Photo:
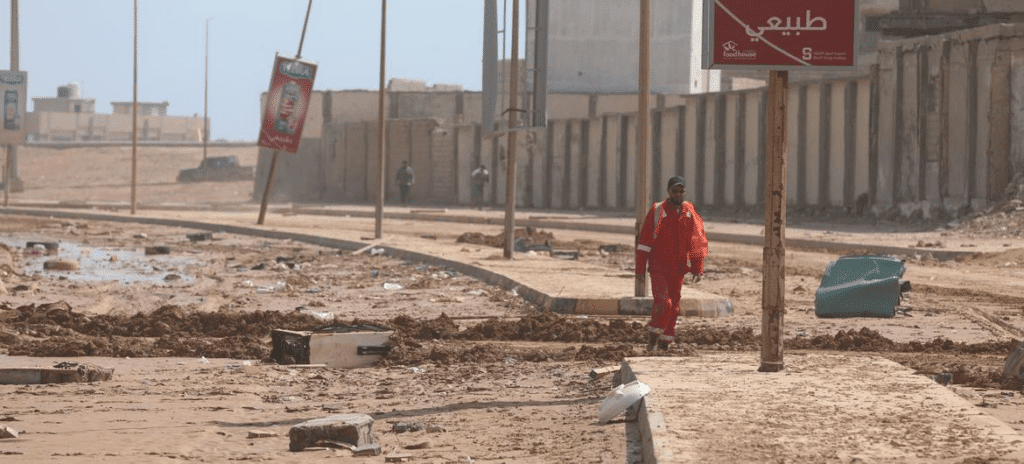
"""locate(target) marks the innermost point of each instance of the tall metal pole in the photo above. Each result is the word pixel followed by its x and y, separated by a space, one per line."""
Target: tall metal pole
pixel 773 283
pixel 206 94
pixel 378 227
pixel 643 132
pixel 273 159
pixel 513 121
pixel 135 102
pixel 11 160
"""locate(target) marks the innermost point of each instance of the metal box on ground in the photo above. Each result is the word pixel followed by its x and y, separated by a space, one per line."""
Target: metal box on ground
pixel 333 346
pixel 861 286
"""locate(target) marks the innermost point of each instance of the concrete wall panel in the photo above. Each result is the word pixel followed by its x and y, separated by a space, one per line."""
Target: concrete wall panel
pixel 752 125
pixel 811 178
pixel 837 174
pixel 595 128
pixel 861 174
pixel 559 162
pixel 887 137
pixel 909 143
pixel 732 135
pixel 983 68
pixel 793 143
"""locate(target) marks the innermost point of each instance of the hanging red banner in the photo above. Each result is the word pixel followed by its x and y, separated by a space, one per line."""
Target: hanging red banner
pixel 291 84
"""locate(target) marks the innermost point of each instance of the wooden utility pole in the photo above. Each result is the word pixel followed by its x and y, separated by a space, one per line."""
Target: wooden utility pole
pixel 513 121
pixel 378 228
pixel 643 132
pixel 773 290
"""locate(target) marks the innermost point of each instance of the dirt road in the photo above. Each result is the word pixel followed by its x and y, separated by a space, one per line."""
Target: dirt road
pixel 187 333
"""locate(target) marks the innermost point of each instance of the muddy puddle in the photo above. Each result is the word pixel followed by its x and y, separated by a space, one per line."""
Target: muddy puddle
pixel 101 264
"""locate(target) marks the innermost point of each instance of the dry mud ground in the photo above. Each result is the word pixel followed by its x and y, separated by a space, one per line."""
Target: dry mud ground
pixel 488 375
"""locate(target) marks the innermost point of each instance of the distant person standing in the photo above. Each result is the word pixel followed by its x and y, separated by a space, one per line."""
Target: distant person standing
pixel 672 244
pixel 480 178
pixel 405 178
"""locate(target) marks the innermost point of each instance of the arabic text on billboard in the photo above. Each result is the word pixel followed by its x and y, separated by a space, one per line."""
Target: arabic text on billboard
pixel 792 34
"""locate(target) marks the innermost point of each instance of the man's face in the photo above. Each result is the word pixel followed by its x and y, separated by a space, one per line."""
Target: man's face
pixel 676 194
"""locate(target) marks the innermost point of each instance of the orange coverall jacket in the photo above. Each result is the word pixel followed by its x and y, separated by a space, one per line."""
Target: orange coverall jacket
pixel 671 241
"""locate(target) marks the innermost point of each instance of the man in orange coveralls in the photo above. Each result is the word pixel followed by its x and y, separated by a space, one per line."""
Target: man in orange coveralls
pixel 672 243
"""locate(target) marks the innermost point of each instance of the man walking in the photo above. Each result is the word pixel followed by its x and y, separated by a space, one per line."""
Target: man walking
pixel 405 179
pixel 672 243
pixel 480 178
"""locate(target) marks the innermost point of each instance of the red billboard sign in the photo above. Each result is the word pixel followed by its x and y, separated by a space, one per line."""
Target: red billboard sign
pixel 791 34
pixel 291 84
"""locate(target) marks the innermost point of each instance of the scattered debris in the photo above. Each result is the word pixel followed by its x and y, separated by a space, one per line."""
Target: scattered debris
pixel 353 430
pixel 603 371
pixel 1014 366
pixel 621 398
pixel 199 236
pixel 51 248
pixel 61 265
pixel 7 432
pixel 261 434
pixel 158 250
pixel 861 286
pixel 64 372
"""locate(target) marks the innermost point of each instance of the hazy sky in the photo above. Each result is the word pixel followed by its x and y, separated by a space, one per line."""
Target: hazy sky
pixel 90 42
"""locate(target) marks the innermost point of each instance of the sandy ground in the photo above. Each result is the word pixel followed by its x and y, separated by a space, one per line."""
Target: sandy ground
pixel 188 333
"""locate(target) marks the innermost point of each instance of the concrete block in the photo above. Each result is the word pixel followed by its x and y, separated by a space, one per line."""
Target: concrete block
pixel 637 306
pixel 72 373
pixel 705 307
pixel 563 305
pixel 602 306
pixel 351 429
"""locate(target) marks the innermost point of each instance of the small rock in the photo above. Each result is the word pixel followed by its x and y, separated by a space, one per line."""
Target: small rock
pixel 261 434
pixel 418 445
pixel 61 265
pixel 435 429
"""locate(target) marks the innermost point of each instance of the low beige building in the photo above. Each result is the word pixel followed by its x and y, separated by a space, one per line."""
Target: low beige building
pixel 70 117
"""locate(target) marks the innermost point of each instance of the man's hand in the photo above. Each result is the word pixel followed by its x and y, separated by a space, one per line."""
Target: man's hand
pixel 697 277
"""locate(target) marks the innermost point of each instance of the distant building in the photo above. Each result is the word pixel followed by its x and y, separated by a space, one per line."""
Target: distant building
pixel 70 117
pixel 145 108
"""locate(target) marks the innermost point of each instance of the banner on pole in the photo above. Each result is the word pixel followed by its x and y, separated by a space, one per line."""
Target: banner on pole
pixel 291 85
pixel 790 35
pixel 14 88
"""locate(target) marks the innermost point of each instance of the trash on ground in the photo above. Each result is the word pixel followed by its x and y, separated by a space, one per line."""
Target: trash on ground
pixel 7 432
pixel 861 286
pixel 1014 367
pixel 353 430
pixel 621 398
pixel 332 346
pixel 391 286
pixel 64 372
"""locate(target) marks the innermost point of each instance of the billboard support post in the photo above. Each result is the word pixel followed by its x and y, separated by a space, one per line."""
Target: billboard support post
pixel 773 283
pixel 779 37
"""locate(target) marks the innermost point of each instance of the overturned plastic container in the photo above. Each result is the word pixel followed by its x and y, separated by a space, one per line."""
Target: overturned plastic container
pixel 861 286
pixel 620 399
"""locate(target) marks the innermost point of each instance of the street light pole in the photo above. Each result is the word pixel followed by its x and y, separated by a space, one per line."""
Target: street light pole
pixel 206 93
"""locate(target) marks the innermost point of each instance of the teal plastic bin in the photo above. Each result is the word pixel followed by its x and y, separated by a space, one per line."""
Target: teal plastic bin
pixel 861 286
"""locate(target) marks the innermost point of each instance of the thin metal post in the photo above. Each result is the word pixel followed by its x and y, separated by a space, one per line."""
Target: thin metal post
pixel 135 104
pixel 643 132
pixel 302 38
pixel 11 160
pixel 266 188
pixel 206 94
pixel 773 290
pixel 378 227
pixel 513 121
